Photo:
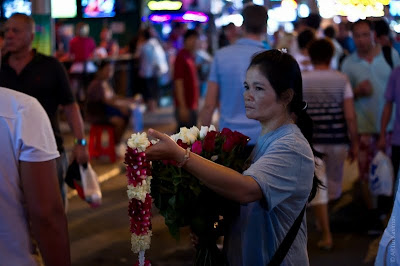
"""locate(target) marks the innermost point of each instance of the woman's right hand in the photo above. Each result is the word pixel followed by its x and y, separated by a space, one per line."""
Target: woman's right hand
pixel 165 149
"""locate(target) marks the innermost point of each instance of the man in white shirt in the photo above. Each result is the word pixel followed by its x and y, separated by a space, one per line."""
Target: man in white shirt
pixel 30 199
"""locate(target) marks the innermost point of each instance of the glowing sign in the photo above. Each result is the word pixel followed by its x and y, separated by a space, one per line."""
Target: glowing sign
pixel 195 16
pixel 353 9
pixel 185 17
pixel 164 5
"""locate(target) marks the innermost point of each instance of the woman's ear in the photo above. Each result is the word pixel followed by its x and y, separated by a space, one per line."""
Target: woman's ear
pixel 287 96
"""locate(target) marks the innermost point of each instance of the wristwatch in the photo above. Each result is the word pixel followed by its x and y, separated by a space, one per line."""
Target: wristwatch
pixel 81 142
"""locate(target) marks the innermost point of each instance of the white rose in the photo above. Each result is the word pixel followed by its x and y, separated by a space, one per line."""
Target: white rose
pixel 195 131
pixel 203 132
pixel 139 141
pixel 187 136
pixel 175 137
pixel 183 130
pixel 212 128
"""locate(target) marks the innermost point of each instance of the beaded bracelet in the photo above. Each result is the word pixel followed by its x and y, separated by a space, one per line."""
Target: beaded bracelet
pixel 185 158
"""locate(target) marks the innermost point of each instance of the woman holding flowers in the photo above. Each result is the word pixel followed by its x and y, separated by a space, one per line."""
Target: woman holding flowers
pixel 275 188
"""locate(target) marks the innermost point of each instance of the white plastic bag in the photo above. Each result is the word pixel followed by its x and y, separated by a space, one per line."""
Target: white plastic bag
pixel 381 175
pixel 90 185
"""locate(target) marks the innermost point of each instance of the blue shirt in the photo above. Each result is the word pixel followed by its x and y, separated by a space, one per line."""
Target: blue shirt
pixel 228 70
pixel 369 109
pixel 283 166
pixel 392 95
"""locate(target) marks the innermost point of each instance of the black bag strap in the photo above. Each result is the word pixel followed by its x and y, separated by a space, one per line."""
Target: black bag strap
pixel 387 53
pixel 287 242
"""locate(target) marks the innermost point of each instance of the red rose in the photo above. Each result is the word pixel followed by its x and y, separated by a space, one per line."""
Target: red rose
pixel 209 141
pixel 197 147
pixel 229 144
pixel 226 132
pixel 183 145
pixel 240 139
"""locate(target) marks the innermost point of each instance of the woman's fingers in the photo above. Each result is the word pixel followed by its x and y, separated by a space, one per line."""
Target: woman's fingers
pixel 156 134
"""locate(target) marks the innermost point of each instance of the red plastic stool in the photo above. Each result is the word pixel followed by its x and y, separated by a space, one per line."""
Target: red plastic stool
pixel 96 148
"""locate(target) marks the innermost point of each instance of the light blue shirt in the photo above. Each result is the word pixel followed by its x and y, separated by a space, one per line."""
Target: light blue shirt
pixel 283 166
pixel 369 109
pixel 228 70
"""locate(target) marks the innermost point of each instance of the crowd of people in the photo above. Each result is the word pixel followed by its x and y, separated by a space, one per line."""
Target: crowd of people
pixel 319 97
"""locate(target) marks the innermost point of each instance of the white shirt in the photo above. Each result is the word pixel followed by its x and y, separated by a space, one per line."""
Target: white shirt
pixel 25 135
pixel 153 60
pixel 304 61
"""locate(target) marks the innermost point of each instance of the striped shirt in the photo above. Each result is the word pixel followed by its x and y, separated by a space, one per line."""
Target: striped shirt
pixel 325 91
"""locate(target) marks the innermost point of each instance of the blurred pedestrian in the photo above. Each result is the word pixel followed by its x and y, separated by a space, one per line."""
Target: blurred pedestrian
pixel 392 97
pixel 81 49
pixel 303 40
pixel 186 82
pixel 331 107
pixel 152 65
pixel 108 43
pixel 24 69
pixel 227 75
pixel 30 204
pixel 330 33
pixel 368 72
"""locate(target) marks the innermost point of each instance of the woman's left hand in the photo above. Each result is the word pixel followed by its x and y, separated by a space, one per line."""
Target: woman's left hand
pixel 165 149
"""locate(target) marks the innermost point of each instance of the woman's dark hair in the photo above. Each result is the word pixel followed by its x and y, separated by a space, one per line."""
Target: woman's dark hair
pixel 283 73
pixel 321 51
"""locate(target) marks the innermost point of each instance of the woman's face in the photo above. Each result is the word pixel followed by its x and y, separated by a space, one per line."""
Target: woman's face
pixel 260 100
pixel 107 72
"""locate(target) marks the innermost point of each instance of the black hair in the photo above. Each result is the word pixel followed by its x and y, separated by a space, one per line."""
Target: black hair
pixel 330 32
pixel 381 28
pixel 103 64
pixel 313 21
pixel 255 19
pixel 305 38
pixel 146 33
pixel 321 51
pixel 190 33
pixel 283 73
pixel 362 21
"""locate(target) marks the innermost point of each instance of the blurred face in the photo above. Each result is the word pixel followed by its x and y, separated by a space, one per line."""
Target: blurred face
pixel 105 35
pixel 107 72
pixel 363 37
pixel 18 35
pixel 191 43
pixel 260 99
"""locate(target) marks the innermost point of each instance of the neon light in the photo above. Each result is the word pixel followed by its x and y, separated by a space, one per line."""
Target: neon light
pixel 195 16
pixel 185 17
pixel 164 5
pixel 160 18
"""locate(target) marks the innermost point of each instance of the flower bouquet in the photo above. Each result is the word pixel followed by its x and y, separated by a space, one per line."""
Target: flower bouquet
pixel 184 201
